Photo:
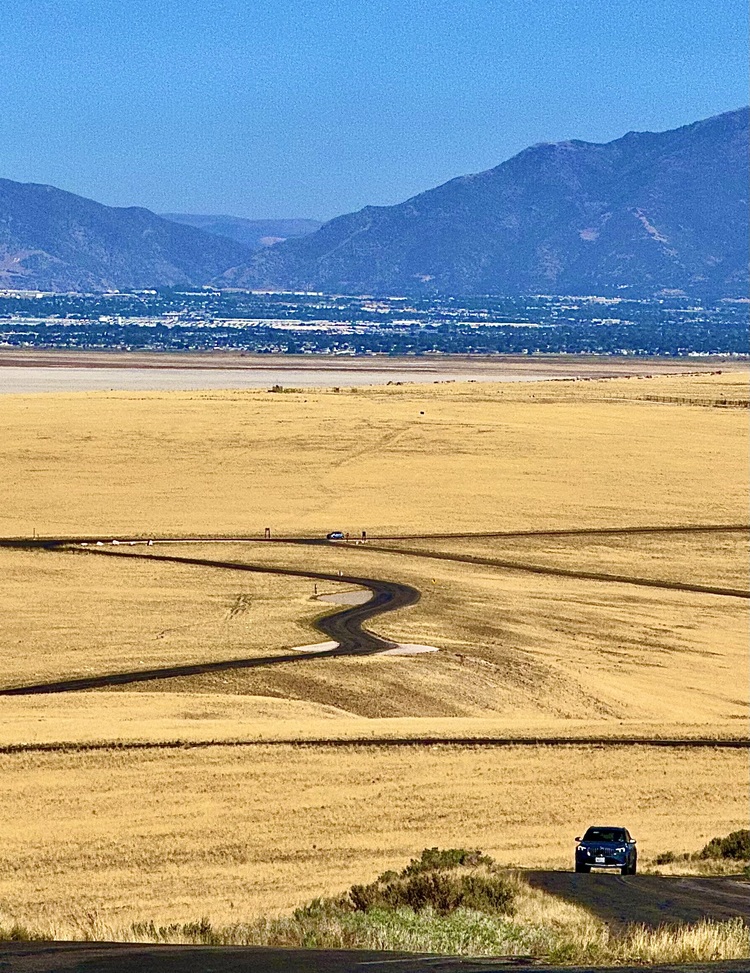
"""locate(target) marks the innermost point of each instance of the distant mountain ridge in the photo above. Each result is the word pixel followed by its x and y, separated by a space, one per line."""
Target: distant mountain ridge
pixel 646 213
pixel 56 241
pixel 253 234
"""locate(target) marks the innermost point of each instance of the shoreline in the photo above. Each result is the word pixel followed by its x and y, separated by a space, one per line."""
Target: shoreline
pixel 115 358
pixel 28 371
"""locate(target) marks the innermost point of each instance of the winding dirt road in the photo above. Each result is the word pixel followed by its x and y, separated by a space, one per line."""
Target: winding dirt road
pixel 648 899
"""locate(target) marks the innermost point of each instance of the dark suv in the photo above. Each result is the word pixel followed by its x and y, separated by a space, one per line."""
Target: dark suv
pixel 604 847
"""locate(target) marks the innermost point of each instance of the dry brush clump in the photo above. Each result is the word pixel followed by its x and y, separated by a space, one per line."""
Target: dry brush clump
pixel 722 856
pixel 701 942
pixel 443 881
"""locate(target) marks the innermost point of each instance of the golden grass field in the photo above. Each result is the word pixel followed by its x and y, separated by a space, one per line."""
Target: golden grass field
pixel 399 459
pixel 514 645
pixel 229 833
pixel 225 831
pixel 71 614
pixel 710 558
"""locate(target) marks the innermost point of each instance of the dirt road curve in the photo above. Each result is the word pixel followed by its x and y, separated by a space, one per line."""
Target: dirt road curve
pixel 116 958
pixel 650 899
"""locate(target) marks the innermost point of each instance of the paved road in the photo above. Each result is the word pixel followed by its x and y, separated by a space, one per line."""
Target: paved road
pixel 650 899
pixel 116 958
pixel 344 627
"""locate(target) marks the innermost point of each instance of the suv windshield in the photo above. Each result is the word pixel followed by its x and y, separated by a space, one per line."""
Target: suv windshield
pixel 605 834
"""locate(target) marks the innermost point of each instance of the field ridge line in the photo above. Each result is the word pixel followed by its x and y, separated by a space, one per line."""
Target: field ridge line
pixel 72 746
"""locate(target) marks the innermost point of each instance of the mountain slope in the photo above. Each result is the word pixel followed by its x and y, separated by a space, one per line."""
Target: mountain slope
pixel 252 234
pixel 55 240
pixel 647 212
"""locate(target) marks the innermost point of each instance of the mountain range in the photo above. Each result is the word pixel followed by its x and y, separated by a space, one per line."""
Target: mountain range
pixel 645 214
pixel 56 241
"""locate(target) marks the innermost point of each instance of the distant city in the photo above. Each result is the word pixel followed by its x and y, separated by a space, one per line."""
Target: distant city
pixel 170 319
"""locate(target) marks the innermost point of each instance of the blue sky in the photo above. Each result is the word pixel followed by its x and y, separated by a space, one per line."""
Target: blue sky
pixel 273 108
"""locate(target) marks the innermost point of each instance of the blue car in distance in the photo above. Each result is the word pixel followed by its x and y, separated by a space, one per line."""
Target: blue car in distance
pixel 605 847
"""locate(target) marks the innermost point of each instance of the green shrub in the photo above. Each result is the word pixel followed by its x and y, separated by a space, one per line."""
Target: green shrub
pixel 735 846
pixel 433 859
pixel 432 882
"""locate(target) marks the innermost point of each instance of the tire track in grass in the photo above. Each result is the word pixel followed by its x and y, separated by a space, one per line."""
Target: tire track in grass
pixel 384 743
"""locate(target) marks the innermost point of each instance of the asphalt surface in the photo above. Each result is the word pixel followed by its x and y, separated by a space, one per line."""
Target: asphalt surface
pixel 344 627
pixel 127 958
pixel 649 899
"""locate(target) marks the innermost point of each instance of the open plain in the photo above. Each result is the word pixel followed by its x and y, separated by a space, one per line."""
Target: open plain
pixel 573 642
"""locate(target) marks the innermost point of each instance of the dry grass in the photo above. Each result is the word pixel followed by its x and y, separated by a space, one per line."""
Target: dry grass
pixel 463 932
pixel 398 459
pixel 541 927
pixel 515 645
pixel 521 647
pixel 85 719
pixel 706 941
pixel 66 615
pixel 691 866
pixel 710 558
pixel 230 834
pixel 233 832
